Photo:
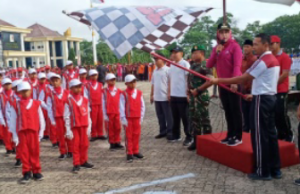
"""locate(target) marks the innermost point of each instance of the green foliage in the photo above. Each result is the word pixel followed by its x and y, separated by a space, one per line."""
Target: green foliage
pixel 72 56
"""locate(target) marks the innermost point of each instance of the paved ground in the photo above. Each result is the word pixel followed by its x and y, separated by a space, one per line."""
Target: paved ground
pixel 163 160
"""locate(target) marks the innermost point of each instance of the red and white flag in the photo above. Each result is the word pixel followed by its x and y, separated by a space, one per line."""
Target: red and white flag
pixel 97 1
pixel 284 2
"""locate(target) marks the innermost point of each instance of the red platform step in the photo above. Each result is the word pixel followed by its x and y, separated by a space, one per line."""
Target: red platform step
pixel 241 157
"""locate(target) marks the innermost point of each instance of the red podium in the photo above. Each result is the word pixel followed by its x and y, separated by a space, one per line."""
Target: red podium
pixel 241 157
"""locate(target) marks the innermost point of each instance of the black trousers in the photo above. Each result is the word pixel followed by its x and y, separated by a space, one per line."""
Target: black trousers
pixel 164 116
pixel 282 120
pixel 246 107
pixel 264 135
pixel 141 76
pixel 179 108
pixel 233 114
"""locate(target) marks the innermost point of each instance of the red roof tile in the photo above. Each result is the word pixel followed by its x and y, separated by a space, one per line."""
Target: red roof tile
pixel 4 23
pixel 41 31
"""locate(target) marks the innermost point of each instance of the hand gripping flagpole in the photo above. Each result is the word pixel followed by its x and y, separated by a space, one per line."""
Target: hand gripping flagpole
pixel 195 73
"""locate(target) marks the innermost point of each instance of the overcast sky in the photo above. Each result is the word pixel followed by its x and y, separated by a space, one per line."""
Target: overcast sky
pixel 49 12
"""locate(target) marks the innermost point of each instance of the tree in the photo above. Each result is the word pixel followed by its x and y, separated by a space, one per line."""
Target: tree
pixel 72 55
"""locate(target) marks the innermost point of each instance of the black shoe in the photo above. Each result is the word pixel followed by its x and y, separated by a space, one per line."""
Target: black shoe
pixel 26 178
pixel 55 145
pixel 234 142
pixel 14 151
pixel 255 176
pixel 112 147
pixel 76 169
pixel 290 138
pixel 119 146
pixel 224 141
pixel 38 177
pixel 174 140
pixel 69 155
pixel 18 164
pixel 276 175
pixel 160 136
pixel 297 182
pixel 62 156
pixel 129 158
pixel 93 139
pixel 87 165
pixel 102 138
pixel 46 137
pixel 1 142
pixel 8 153
pixel 187 141
pixel 138 156
pixel 192 147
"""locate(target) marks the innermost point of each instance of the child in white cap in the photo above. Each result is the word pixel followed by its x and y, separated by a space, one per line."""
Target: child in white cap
pixel 28 129
pixel 132 111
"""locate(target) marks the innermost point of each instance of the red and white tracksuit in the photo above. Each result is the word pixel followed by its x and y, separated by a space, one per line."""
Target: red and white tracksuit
pixel 78 123
pixel 5 100
pixel 93 91
pixel 67 77
pixel 111 112
pixel 132 110
pixel 55 103
pixel 1 127
pixel 39 93
pixel 27 126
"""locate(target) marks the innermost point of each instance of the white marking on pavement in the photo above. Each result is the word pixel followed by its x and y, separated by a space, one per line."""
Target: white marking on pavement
pixel 147 184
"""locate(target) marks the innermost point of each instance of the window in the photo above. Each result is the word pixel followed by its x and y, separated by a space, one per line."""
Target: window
pixel 50 49
pixel 59 63
pixel 27 46
pixel 58 49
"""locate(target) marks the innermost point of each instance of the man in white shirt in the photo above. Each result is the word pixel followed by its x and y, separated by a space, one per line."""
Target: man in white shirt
pixel 178 96
pixel 265 74
pixel 159 95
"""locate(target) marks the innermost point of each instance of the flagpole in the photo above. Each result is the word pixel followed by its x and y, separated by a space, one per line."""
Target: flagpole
pixel 224 13
pixel 94 42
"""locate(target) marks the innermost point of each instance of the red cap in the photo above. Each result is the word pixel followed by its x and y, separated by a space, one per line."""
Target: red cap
pixel 20 69
pixel 47 67
pixel 275 39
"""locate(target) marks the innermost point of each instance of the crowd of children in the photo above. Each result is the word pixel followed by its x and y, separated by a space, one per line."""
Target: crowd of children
pixel 71 111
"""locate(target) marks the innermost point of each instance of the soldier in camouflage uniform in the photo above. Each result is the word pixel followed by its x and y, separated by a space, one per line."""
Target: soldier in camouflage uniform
pixel 199 96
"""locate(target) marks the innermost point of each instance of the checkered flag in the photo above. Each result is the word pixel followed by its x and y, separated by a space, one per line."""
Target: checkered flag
pixel 147 28
pixel 284 2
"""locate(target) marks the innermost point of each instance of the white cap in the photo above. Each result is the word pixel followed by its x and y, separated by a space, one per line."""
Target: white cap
pixel 93 72
pixel 6 81
pixel 24 86
pixel 74 82
pixel 2 71
pixel 16 82
pixel 41 75
pixel 31 71
pixel 82 71
pixel 49 75
pixel 110 76
pixel 69 63
pixel 55 75
pixel 129 78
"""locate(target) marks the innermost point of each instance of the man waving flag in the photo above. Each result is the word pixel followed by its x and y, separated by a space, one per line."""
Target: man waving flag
pixel 284 2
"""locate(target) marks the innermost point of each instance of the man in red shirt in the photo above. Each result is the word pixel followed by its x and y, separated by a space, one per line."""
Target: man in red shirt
pixel 283 124
pixel 248 60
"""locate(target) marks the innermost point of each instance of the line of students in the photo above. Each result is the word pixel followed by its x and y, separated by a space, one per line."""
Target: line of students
pixel 42 108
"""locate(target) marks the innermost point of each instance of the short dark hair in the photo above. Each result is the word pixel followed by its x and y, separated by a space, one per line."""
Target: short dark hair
pixel 265 38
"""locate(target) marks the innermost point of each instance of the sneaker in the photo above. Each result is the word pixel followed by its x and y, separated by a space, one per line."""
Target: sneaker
pixel 187 141
pixel 62 156
pixel 8 153
pixel 26 178
pixel 192 147
pixel 76 169
pixel 102 137
pixel 276 175
pixel 138 156
pixel 55 145
pixel 224 141
pixel 297 182
pixel 118 146
pixel 87 165
pixel 18 164
pixel 129 158
pixel 38 177
pixel 112 147
pixel 1 142
pixel 174 140
pixel 93 139
pixel 69 155
pixel 234 142
pixel 255 176
pixel 160 136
